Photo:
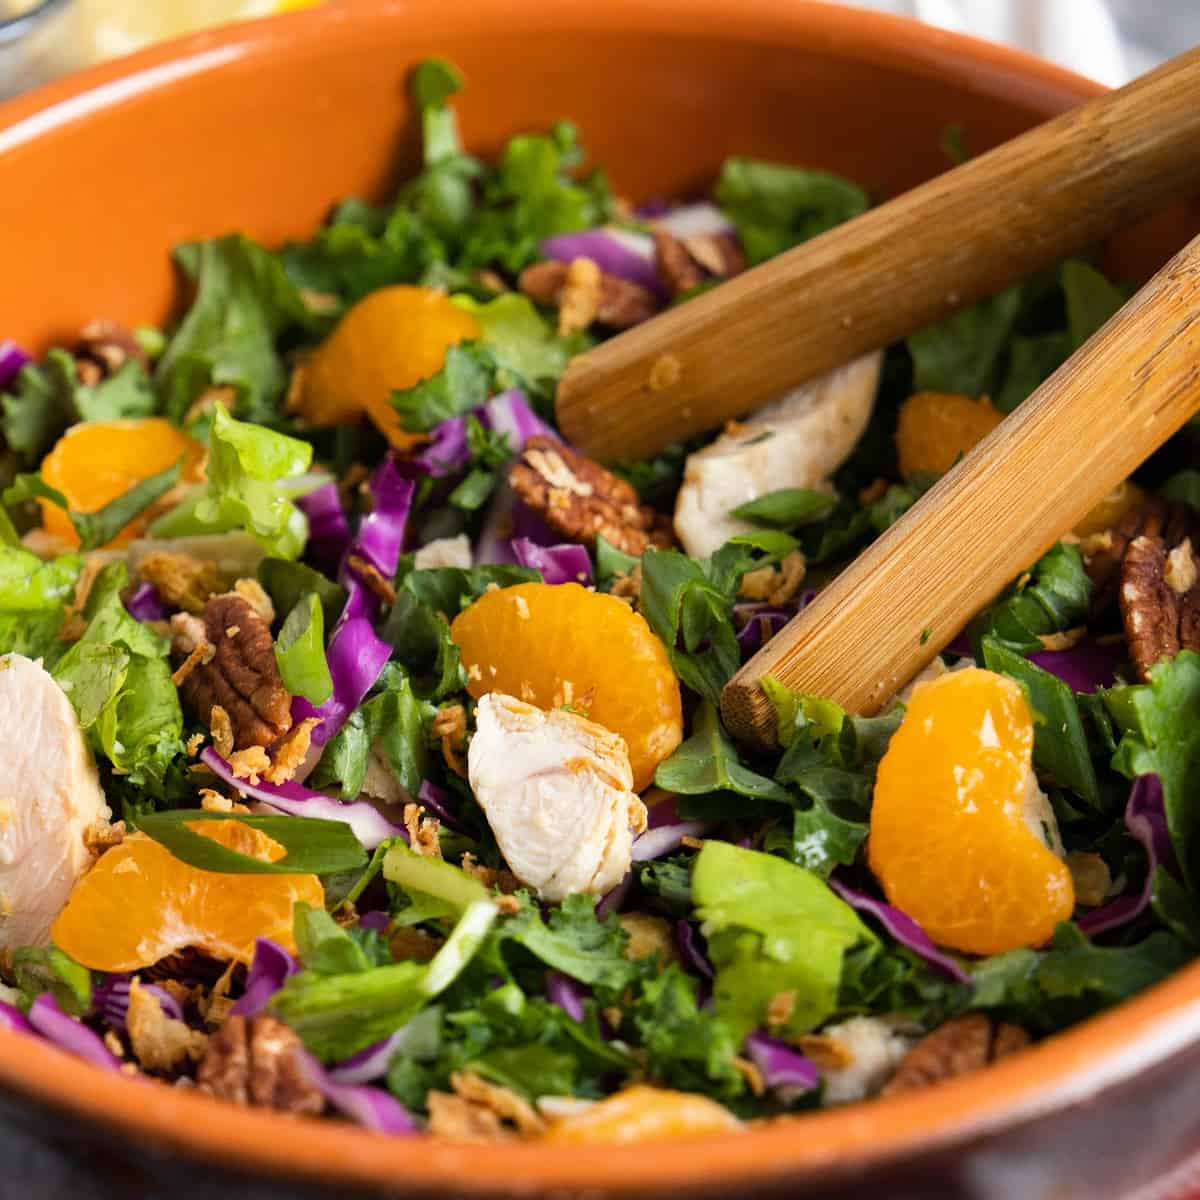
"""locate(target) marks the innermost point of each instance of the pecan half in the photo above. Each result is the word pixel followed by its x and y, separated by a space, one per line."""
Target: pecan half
pixel 104 347
pixel 259 1061
pixel 685 263
pixel 581 500
pixel 1160 601
pixel 958 1047
pixel 1105 553
pixel 241 677
pixel 617 302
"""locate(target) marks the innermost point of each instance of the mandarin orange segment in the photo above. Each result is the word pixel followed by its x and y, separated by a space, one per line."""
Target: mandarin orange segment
pixel 643 1114
pixel 954 837
pixel 1125 496
pixel 139 903
pixel 556 644
pixel 935 430
pixel 98 461
pixel 391 339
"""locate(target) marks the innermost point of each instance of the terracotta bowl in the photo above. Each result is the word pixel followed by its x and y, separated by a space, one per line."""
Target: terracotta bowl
pixel 260 128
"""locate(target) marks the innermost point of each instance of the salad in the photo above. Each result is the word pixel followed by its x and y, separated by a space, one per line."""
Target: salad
pixel 362 737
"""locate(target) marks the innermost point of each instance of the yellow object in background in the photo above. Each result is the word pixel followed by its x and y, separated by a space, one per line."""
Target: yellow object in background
pixel 116 27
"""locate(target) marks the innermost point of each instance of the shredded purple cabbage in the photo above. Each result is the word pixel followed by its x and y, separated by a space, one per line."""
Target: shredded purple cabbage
pixel 271 966
pixel 612 900
pixel 567 994
pixel 758 622
pixel 1086 666
pixel 380 535
pixel 11 1017
pixel 328 529
pixel 145 604
pixel 1146 820
pixel 510 413
pixel 370 1107
pixel 903 928
pixel 370 826
pixel 69 1034
pixel 110 1000
pixel 439 803
pixel 655 843
pixel 369 1064
pixel 782 1067
pixel 446 452
pixel 693 949
pixel 376 919
pixel 566 562
pixel 628 256
pixel 12 359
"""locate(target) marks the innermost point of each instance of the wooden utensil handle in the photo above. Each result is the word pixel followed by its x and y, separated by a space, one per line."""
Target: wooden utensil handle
pixel 908 594
pixel 914 260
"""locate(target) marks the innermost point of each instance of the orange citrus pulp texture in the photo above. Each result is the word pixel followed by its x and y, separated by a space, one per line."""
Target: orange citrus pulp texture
pixel 556 644
pixel 94 463
pixel 139 903
pixel 391 339
pixel 643 1114
pixel 949 840
pixel 935 430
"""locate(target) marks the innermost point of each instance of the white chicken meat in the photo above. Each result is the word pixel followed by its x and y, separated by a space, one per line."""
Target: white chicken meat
pixel 50 797
pixel 557 790
pixel 797 441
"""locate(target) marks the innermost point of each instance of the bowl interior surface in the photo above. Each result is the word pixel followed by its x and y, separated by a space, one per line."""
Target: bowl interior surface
pixel 260 128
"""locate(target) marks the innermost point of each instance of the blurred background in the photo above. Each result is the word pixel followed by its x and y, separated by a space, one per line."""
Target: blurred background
pixel 1109 40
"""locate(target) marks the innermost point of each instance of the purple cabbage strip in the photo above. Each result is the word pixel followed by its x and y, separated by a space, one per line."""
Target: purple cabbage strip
pixel 446 452
pixel 693 950
pixel 612 900
pixel 438 803
pixel 628 256
pixel 328 529
pixel 11 1017
pixel 655 843
pixel 69 1034
pixel 370 1107
pixel 1146 820
pixel 271 966
pixel 12 359
pixel 567 994
pixel 903 928
pixel 110 1000
pixel 1086 666
pixel 380 535
pixel 366 1065
pixel 782 1067
pixel 567 562
pixel 145 604
pixel 370 826
pixel 758 622
pixel 376 919
pixel 510 413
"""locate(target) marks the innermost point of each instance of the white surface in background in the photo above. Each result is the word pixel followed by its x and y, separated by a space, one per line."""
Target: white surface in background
pixel 1080 35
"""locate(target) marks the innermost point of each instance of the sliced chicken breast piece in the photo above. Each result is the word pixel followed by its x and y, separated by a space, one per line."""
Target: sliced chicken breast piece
pixel 797 441
pixel 49 798
pixel 557 790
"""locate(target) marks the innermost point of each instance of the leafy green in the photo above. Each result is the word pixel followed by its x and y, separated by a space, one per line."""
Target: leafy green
pixel 49 397
pixel 33 600
pixel 288 583
pixel 463 383
pixel 39 969
pixel 1090 298
pixel 392 724
pixel 300 651
pixel 1160 726
pixel 526 350
pixel 328 949
pixel 708 762
pixel 786 508
pixel 314 846
pixel 962 353
pixel 575 941
pixel 97 528
pixel 246 464
pixel 772 927
pixel 1054 595
pixel 1060 748
pixel 775 207
pixel 243 301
